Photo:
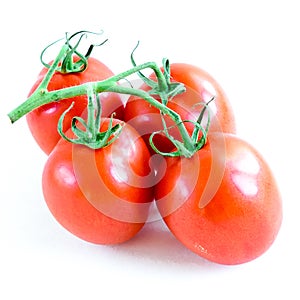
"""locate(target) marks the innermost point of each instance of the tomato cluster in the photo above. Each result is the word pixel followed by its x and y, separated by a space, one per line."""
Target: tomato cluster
pixel 222 202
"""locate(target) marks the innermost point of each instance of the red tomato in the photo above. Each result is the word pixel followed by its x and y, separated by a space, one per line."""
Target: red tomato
pixel 223 203
pixel 200 88
pixel 43 121
pixel 101 196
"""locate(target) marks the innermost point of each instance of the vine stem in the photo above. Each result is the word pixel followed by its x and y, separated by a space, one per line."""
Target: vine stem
pixel 42 96
pixel 188 142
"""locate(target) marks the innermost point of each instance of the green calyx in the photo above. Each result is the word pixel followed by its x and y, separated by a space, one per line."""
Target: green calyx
pixel 197 140
pixel 68 63
pixel 163 87
pixel 89 134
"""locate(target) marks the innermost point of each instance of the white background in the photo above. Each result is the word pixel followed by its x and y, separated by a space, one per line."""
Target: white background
pixel 250 47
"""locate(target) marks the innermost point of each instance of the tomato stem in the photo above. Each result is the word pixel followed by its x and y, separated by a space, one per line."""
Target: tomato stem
pixel 42 96
pixel 90 136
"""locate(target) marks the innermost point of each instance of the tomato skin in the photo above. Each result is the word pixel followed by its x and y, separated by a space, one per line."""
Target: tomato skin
pixel 43 121
pixel 242 219
pixel 200 88
pixel 95 194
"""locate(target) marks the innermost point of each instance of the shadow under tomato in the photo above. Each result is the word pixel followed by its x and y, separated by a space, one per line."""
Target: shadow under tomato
pixel 156 243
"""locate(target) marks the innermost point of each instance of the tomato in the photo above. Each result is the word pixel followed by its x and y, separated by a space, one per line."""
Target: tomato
pixel 43 121
pixel 101 196
pixel 200 88
pixel 223 203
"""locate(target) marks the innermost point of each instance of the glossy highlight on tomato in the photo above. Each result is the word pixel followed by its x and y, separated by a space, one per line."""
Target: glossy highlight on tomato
pixel 43 121
pixel 238 217
pixel 101 196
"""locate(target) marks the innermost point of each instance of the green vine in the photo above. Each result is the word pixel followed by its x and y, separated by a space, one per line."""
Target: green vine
pixel 87 132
